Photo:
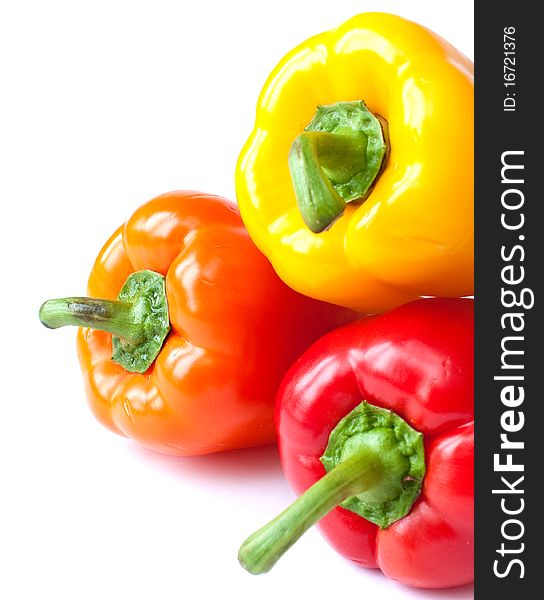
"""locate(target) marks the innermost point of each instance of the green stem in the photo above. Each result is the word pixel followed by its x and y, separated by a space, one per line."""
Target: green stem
pixel 337 160
pixel 375 463
pixel 138 320
pixel 112 316
pixel 260 552
pixel 318 201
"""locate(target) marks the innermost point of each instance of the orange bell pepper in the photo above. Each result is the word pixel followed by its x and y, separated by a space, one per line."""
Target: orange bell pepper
pixel 235 328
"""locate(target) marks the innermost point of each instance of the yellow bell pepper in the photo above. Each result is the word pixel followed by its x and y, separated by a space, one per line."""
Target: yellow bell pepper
pixel 386 193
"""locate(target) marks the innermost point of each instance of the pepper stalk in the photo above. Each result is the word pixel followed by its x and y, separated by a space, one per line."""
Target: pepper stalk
pixel 337 159
pixel 138 320
pixel 375 465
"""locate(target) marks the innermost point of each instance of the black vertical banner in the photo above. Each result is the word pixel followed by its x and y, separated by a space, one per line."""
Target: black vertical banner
pixel 509 324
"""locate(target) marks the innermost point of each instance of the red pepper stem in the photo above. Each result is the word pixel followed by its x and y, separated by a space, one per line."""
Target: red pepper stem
pixel 360 472
pixel 375 464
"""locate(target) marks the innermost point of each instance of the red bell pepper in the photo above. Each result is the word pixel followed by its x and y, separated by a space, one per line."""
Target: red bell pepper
pixel 378 416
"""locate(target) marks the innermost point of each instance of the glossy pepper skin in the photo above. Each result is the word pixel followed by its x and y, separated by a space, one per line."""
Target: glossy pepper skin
pixel 235 329
pixel 413 235
pixel 416 361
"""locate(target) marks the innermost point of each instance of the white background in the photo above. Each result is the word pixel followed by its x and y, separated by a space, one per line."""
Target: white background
pixel 104 105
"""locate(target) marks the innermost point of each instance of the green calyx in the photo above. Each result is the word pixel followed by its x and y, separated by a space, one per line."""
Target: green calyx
pixel 336 160
pixel 146 292
pixel 138 320
pixel 375 464
pixel 389 440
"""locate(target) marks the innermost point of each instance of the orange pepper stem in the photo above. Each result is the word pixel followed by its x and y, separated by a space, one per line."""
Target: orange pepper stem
pixel 112 316
pixel 138 320
pixel 337 160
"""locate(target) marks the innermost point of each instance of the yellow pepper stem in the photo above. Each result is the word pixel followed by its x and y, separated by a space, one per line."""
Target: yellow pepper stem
pixel 337 160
